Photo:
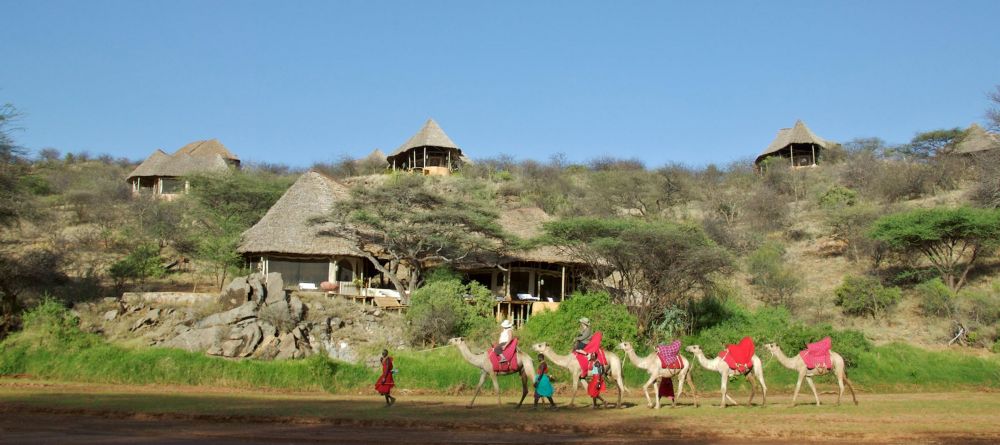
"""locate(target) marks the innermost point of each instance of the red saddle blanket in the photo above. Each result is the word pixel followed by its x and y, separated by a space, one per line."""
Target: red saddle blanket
pixel 738 356
pixel 669 355
pixel 592 347
pixel 817 354
pixel 510 355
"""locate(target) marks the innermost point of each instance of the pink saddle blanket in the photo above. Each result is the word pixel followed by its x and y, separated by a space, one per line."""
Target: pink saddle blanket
pixel 669 355
pixel 592 347
pixel 817 354
pixel 509 353
pixel 738 356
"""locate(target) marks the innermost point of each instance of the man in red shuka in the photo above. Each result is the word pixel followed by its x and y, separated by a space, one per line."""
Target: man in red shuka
pixel 385 382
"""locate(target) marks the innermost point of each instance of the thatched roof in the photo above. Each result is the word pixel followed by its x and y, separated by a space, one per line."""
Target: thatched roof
pixel 798 134
pixel 977 139
pixel 197 157
pixel 431 135
pixel 526 223
pixel 376 154
pixel 286 228
pixel 207 149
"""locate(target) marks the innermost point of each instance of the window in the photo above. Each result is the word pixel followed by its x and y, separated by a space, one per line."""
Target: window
pixel 549 286
pixel 172 185
pixel 520 283
pixel 294 272
pixel 345 271
pixel 486 279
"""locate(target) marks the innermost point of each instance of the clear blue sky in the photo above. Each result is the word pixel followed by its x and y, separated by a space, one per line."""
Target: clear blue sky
pixel 297 82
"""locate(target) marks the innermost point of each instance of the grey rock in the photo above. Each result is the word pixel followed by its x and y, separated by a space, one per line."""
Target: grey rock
pixel 268 348
pixel 111 315
pixel 239 289
pixel 275 289
pixel 335 323
pixel 296 308
pixel 286 347
pixel 243 312
pixel 196 340
pixel 255 281
pixel 377 313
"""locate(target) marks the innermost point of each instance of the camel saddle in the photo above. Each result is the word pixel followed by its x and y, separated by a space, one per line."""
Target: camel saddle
pixel 592 347
pixel 817 355
pixel 669 355
pixel 738 356
pixel 509 353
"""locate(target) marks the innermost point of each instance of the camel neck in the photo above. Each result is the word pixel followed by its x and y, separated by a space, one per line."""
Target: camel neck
pixel 640 362
pixel 705 362
pixel 554 357
pixel 782 358
pixel 467 354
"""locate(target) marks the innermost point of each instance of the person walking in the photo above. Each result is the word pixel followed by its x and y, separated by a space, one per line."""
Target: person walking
pixel 385 381
pixel 543 383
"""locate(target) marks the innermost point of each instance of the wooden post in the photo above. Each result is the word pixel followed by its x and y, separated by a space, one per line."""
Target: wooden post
pixel 791 151
pixel 425 159
pixel 507 290
pixel 562 291
pixel 814 153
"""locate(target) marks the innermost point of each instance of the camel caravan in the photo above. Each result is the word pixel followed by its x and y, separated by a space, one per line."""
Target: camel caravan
pixel 588 360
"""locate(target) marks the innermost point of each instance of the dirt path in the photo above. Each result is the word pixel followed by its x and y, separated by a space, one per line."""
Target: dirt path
pixel 45 412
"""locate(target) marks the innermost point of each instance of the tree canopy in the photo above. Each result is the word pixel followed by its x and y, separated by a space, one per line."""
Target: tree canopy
pixel 950 239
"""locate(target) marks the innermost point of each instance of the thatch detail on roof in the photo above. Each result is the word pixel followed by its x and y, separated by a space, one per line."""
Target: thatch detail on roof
pixel 977 139
pixel 194 158
pixel 526 223
pixel 287 228
pixel 798 134
pixel 430 135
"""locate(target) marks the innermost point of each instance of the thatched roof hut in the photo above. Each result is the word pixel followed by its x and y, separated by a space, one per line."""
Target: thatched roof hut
pixel 526 223
pixel 976 140
pixel 799 144
pixel 286 228
pixel 159 172
pixel 429 151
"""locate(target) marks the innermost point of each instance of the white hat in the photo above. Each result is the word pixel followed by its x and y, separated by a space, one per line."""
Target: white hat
pixel 585 321
pixel 506 324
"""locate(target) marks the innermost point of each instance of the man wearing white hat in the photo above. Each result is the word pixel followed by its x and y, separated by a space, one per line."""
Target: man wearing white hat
pixel 506 335
pixel 585 335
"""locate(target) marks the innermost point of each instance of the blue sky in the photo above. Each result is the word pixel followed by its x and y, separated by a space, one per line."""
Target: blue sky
pixel 298 82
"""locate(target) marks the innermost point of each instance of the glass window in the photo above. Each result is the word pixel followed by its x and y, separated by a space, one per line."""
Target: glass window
pixel 172 185
pixel 520 283
pixel 294 272
pixel 345 271
pixel 549 286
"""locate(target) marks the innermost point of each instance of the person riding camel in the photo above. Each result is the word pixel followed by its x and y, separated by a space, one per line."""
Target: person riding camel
pixel 506 335
pixel 584 337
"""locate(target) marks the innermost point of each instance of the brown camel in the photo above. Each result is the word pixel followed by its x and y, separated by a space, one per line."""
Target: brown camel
pixel 797 364
pixel 651 364
pixel 719 365
pixel 573 365
pixel 526 369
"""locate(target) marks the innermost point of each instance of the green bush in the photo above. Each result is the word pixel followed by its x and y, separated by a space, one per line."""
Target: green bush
pixel 776 281
pixel 560 326
pixel 865 296
pixel 935 298
pixel 445 307
pixel 838 197
pixel 144 262
pixel 983 307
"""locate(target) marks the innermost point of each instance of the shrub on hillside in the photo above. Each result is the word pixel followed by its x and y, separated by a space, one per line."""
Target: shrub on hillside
pixel 560 326
pixel 767 210
pixel 851 224
pixel 776 281
pixel 865 296
pixel 837 197
pixel 983 307
pixel 935 298
pixel 445 307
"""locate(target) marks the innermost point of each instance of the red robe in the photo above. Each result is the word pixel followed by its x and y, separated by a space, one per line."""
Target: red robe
pixel 385 383
pixel 596 386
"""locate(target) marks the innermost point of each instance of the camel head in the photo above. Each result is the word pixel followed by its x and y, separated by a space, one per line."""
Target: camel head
pixel 539 347
pixel 694 349
pixel 456 341
pixel 770 347
pixel 625 346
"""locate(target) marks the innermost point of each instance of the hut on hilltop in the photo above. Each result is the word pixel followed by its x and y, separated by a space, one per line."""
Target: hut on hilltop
pixel 797 144
pixel 976 140
pixel 162 174
pixel 430 152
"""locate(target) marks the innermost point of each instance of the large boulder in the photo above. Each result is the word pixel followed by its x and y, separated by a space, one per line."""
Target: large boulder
pixel 239 290
pixel 255 281
pixel 197 340
pixel 235 315
pixel 275 288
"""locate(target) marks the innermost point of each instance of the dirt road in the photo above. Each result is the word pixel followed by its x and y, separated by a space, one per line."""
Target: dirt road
pixel 34 412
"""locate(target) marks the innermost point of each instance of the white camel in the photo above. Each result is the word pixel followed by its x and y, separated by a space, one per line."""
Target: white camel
pixel 719 365
pixel 797 364
pixel 651 364
pixel 571 363
pixel 526 369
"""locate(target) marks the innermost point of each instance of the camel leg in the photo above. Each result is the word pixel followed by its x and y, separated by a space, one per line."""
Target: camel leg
pixel 724 388
pixel 621 388
pixel 524 388
pixel 850 387
pixel 753 390
pixel 479 387
pixel 645 390
pixel 813 386
pixel 496 387
pixel 694 392
pixel 798 385
pixel 679 388
pixel 576 382
pixel 656 393
pixel 759 372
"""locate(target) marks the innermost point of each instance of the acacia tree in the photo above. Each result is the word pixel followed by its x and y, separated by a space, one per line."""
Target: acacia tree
pixel 417 227
pixel 649 266
pixel 930 143
pixel 12 168
pixel 950 239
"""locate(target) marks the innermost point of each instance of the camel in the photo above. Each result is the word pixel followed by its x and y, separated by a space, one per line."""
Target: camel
pixel 719 365
pixel 797 364
pixel 526 369
pixel 570 362
pixel 651 364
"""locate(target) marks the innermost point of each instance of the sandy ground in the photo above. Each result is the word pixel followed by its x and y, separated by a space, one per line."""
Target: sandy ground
pixel 34 412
